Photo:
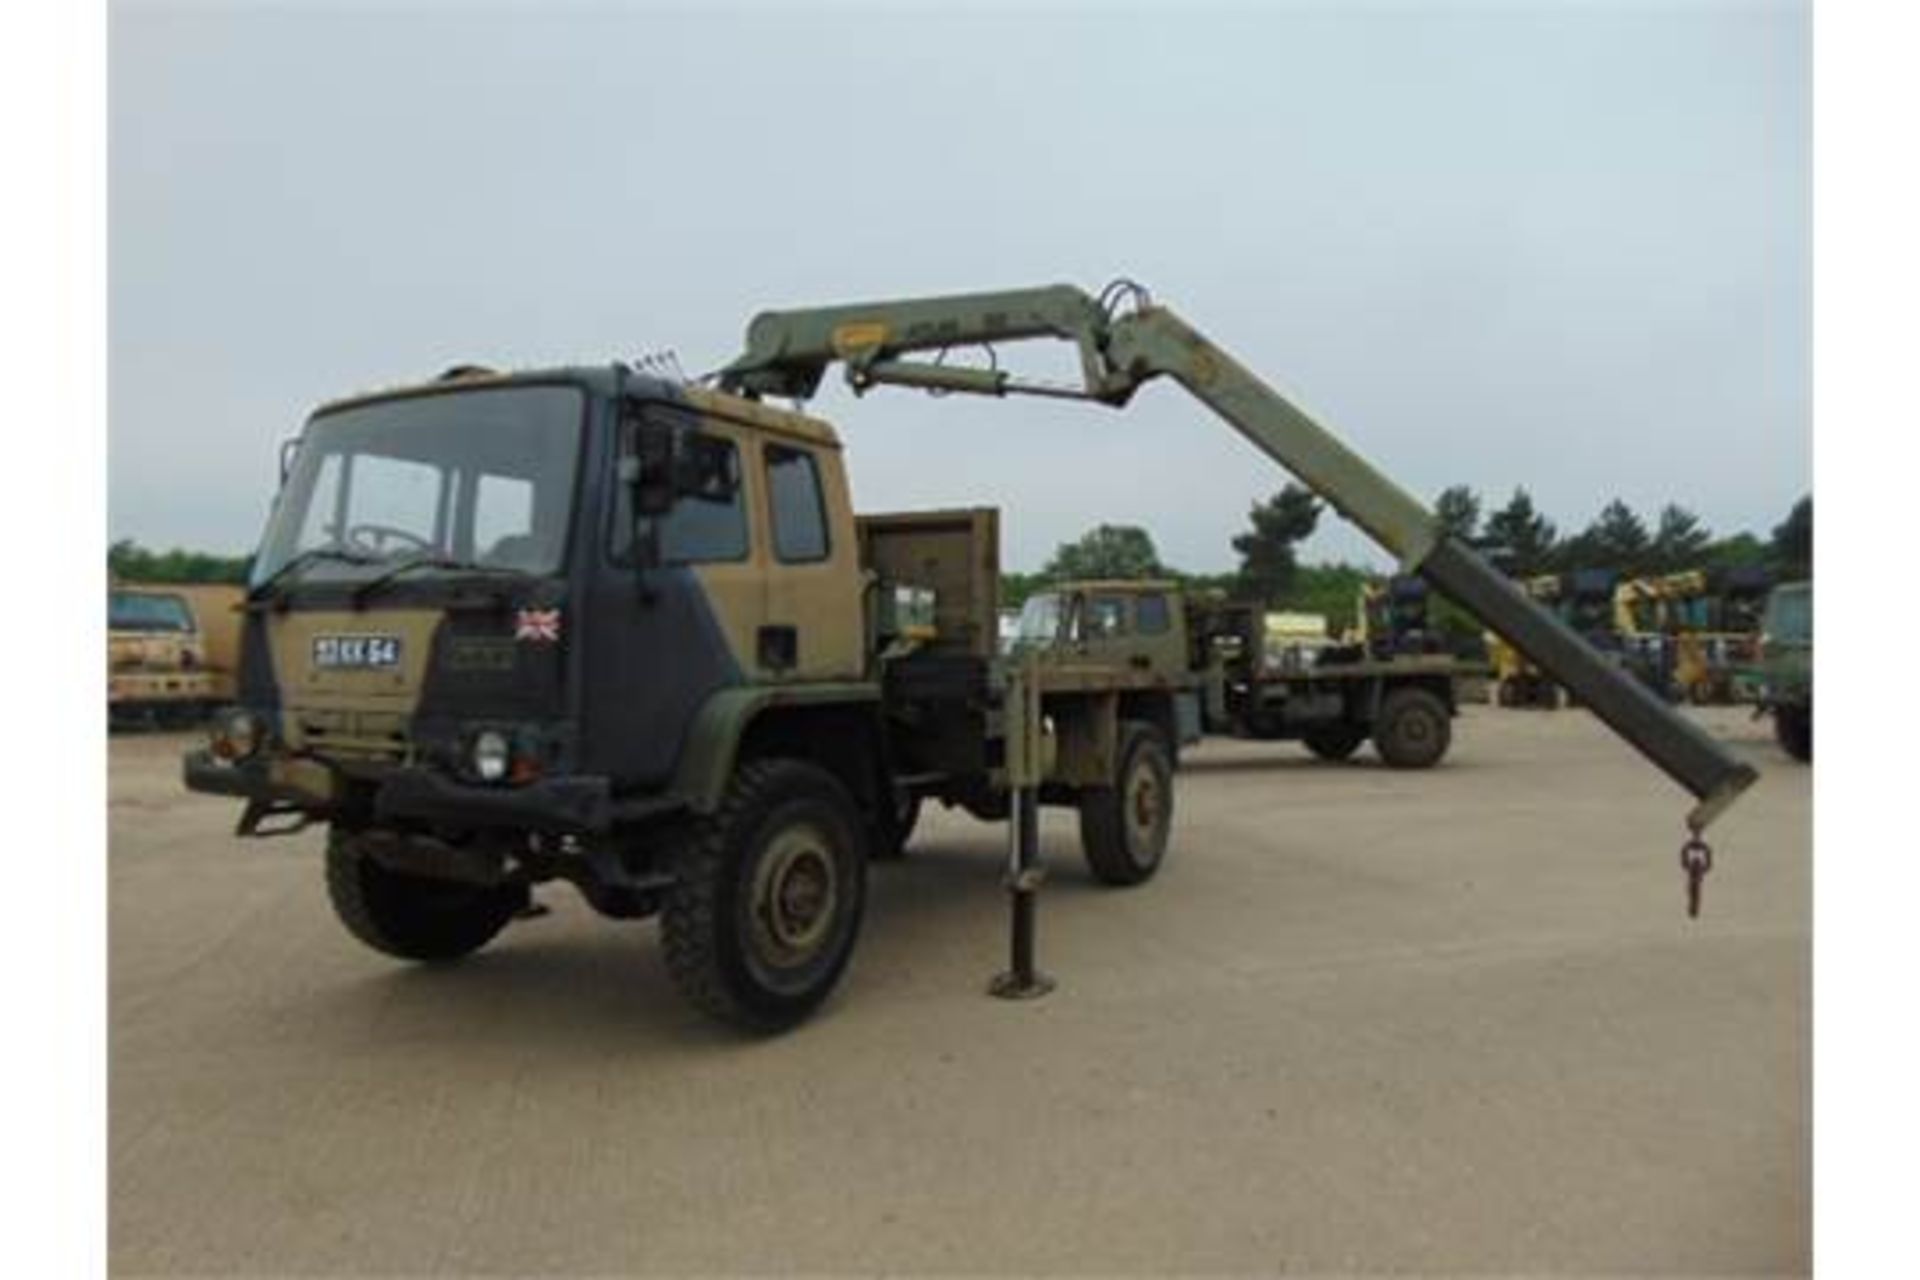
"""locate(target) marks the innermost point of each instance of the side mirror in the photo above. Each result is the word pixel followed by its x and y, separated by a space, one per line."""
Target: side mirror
pixel 648 466
pixel 288 448
pixel 666 458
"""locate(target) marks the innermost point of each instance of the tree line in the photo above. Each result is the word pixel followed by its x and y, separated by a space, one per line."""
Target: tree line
pixel 1524 542
pixel 128 561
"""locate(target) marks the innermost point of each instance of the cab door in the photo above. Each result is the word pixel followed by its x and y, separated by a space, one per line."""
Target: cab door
pixel 662 639
pixel 732 576
pixel 813 628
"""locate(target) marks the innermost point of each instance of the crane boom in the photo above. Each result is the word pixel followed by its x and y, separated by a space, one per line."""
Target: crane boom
pixel 788 353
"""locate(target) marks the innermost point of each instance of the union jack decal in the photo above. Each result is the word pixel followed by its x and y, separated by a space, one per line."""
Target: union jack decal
pixel 540 626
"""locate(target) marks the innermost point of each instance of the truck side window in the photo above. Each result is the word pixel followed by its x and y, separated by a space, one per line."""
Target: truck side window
pixel 1150 615
pixel 799 510
pixel 1106 617
pixel 698 530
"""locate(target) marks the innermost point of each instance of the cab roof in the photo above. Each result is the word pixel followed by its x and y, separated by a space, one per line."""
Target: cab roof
pixel 609 380
pixel 1117 585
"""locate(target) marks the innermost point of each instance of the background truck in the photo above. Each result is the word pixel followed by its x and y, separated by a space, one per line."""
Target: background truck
pixel 593 625
pixel 171 652
pixel 1783 675
pixel 1692 634
pixel 1231 674
pixel 1519 681
pixel 1396 617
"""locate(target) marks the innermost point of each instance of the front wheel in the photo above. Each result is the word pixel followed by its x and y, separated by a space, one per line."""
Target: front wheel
pixel 413 917
pixel 1413 730
pixel 1123 828
pixel 763 918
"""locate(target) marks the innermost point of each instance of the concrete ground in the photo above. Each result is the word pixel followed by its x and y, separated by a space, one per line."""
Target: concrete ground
pixel 1363 1021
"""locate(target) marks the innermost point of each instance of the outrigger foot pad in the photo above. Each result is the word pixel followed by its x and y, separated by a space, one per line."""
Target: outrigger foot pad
pixel 1019 986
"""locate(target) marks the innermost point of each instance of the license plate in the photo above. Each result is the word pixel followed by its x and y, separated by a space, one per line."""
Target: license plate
pixel 356 653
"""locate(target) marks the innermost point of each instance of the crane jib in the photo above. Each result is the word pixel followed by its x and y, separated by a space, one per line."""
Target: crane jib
pixel 787 352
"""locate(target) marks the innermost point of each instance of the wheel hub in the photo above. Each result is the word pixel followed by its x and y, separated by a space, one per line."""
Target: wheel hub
pixel 1143 804
pixel 794 894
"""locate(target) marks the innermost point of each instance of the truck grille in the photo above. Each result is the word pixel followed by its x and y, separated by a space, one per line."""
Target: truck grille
pixel 380 735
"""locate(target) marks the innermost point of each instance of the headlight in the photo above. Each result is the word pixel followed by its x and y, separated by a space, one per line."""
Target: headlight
pixel 236 734
pixel 492 755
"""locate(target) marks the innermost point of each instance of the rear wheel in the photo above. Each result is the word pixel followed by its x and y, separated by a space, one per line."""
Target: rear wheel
pixel 413 917
pixel 1413 730
pixel 1124 827
pixel 1334 741
pixel 1793 729
pixel 771 886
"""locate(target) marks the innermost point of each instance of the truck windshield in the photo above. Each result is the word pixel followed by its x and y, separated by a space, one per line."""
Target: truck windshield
pixel 1039 620
pixel 474 476
pixel 137 611
pixel 1790 616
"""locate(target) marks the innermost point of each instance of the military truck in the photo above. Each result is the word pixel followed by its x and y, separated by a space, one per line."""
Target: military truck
pixel 1229 677
pixel 1784 674
pixel 591 625
pixel 166 651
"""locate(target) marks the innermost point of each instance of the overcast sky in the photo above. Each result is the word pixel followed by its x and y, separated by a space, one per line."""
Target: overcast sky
pixel 1559 245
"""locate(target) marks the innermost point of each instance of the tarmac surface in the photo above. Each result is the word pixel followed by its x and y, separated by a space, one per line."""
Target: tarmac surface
pixel 1363 1021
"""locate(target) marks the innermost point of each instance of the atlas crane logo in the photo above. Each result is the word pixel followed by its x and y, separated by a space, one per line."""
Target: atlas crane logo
pixel 537 626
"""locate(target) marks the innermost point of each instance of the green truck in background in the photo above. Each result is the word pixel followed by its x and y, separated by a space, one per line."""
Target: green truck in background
pixel 1785 672
pixel 1230 674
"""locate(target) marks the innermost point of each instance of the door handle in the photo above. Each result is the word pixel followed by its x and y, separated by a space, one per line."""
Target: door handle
pixel 778 647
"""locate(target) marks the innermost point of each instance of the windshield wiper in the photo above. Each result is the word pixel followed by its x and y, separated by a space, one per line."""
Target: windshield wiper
pixel 300 561
pixel 375 583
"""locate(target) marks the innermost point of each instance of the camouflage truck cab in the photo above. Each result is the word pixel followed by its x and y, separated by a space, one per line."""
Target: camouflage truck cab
pixel 588 625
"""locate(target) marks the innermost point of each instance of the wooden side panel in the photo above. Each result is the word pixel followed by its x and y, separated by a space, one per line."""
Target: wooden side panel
pixel 956 554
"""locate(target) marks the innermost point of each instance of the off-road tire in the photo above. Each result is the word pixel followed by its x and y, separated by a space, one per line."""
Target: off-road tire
pixel 891 829
pixel 414 917
pixel 1412 730
pixel 721 930
pixel 1793 730
pixel 1124 828
pixel 1334 741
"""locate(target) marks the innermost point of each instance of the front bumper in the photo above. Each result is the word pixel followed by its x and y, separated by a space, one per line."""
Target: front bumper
pixel 576 803
pixel 154 688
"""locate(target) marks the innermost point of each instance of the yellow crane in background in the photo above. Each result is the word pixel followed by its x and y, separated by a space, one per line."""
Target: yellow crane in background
pixel 1696 630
